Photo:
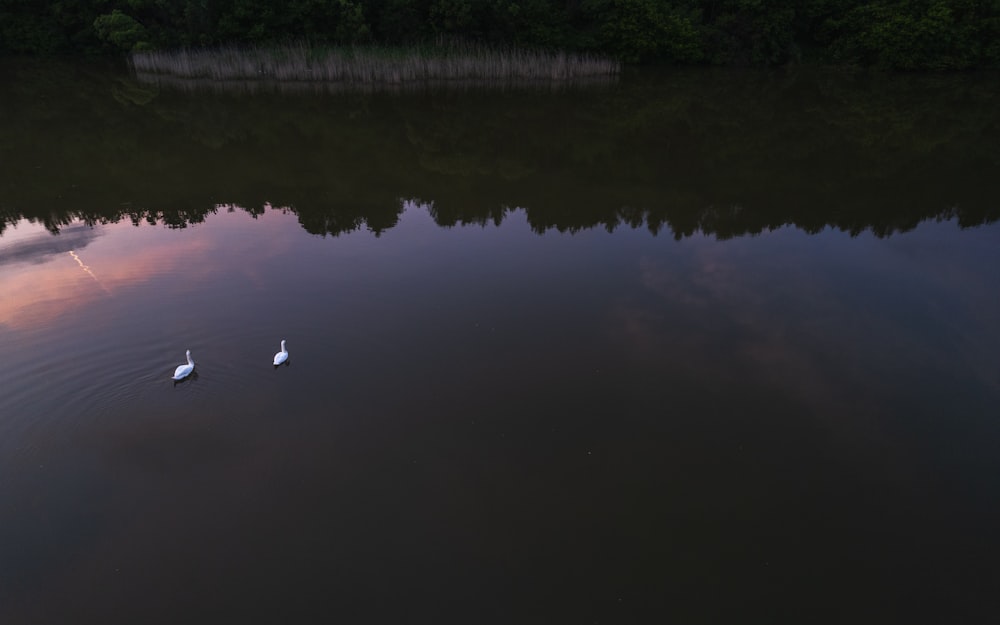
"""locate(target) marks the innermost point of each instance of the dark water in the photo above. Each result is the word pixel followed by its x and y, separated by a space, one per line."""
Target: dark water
pixel 693 347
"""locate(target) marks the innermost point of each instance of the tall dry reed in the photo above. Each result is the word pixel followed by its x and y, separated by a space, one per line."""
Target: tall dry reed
pixel 373 65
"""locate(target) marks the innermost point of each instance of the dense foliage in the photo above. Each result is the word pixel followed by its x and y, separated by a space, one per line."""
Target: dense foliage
pixel 897 34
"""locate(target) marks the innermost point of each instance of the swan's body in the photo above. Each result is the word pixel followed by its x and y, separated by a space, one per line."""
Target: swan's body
pixel 183 371
pixel 281 356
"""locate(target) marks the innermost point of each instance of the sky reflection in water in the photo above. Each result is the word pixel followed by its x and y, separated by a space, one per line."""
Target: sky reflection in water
pixel 634 423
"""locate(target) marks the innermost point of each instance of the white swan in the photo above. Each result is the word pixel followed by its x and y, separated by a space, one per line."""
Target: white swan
pixel 183 371
pixel 281 356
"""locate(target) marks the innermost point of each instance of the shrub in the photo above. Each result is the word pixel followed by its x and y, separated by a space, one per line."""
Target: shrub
pixel 121 31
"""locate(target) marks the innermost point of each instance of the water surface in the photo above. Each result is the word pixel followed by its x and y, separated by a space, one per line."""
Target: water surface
pixel 693 347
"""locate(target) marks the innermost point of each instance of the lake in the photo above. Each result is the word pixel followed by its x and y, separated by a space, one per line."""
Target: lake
pixel 691 346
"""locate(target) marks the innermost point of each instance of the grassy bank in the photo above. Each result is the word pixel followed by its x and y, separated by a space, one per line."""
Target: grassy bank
pixel 372 66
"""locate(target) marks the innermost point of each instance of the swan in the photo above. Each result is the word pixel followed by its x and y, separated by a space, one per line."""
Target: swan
pixel 281 356
pixel 182 371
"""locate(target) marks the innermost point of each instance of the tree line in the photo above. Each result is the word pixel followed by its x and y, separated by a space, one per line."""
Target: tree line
pixel 890 34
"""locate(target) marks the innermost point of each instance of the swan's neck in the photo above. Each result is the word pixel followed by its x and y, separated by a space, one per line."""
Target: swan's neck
pixel 190 362
pixel 283 346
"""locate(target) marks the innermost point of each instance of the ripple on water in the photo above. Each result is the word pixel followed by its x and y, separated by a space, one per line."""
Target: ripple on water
pixel 112 363
pixel 69 383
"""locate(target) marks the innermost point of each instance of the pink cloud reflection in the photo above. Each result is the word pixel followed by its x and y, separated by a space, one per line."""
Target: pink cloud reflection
pixel 43 289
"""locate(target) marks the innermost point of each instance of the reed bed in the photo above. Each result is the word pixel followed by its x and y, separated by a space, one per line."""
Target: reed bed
pixel 372 66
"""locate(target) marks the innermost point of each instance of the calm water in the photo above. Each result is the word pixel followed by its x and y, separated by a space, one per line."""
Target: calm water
pixel 693 347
